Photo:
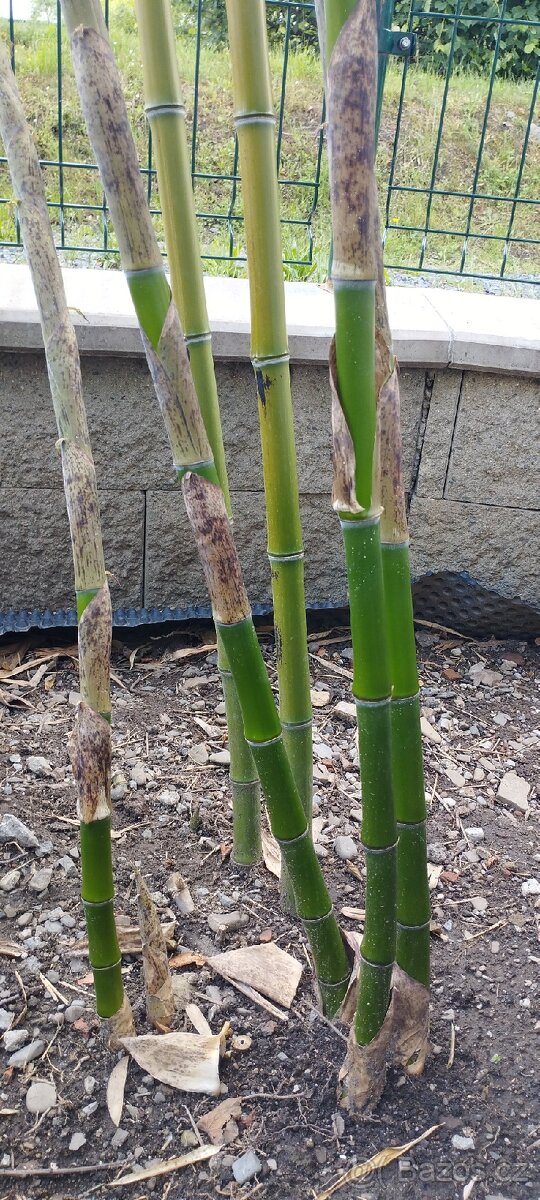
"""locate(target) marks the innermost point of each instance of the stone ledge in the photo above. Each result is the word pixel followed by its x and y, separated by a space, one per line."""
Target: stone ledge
pixel 431 327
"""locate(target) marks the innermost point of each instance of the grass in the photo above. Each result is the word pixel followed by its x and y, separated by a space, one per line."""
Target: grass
pixel 305 210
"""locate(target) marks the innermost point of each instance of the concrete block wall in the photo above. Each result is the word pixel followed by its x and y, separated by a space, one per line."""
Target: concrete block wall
pixel 471 455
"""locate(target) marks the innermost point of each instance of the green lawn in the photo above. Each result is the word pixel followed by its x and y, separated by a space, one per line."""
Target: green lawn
pixel 457 160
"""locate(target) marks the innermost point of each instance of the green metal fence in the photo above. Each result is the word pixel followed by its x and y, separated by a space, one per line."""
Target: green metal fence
pixel 459 148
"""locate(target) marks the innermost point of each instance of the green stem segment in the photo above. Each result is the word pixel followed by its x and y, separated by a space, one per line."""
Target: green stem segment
pixel 255 126
pixel 167 119
pixel 91 741
pixel 351 41
pixel 105 113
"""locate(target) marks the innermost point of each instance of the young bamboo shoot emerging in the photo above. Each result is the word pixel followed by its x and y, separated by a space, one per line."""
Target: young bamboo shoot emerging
pixel 254 120
pixel 106 118
pixel 167 118
pixel 91 742
pixel 351 40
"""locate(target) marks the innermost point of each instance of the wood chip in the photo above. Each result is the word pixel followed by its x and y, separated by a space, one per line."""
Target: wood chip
pixel 200 1154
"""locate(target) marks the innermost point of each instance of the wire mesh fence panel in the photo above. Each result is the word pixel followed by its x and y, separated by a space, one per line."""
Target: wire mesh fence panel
pixel 459 143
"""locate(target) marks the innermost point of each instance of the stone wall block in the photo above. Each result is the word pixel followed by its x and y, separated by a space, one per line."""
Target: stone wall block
pixel 172 572
pixel 496 448
pixel 438 434
pixel 495 546
pixel 35 548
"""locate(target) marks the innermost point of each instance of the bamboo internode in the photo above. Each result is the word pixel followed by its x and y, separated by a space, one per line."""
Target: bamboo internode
pixel 91 741
pixel 106 118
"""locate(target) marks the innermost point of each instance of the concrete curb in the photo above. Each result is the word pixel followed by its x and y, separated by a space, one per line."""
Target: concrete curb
pixel 431 327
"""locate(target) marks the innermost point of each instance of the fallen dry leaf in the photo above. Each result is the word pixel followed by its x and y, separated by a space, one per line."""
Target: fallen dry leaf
pixel 266 968
pixel 271 853
pixel 215 1122
pixel 182 1060
pixel 157 976
pixel 382 1159
pixel 198 1020
pixel 115 1090
pixel 189 958
pixel 129 939
pixel 200 1154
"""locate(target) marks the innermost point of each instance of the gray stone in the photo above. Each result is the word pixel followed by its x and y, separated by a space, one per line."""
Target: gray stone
pixel 437 853
pixel 78 1140
pixel 138 776
pixel 67 864
pixel 38 765
pixel 90 1085
pixel 41 880
pixel 41 1096
pixel 462 1143
pixel 21 1058
pixel 222 757
pixel 529 887
pixel 475 834
pixel 90 1109
pixel 227 922
pixel 198 754
pixel 13 830
pixel 119 1138
pixel 346 848
pixel 482 450
pixel 514 792
pixel 246 1166
pixel 74 1011
pixel 491 544
pixel 10 880
pixel 6 1019
pixel 14 1039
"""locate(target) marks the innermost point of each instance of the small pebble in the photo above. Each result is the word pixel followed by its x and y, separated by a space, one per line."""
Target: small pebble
pixel 227 922
pixel 38 765
pixel 479 903
pixel 13 830
pixel 138 776
pixel 198 754
pixel 77 1142
pixel 221 757
pixel 530 887
pixel 10 880
pixel 345 848
pixel 462 1143
pixel 14 1039
pixel 21 1058
pixel 74 1011
pixel 41 880
pixel 475 833
pixel 41 1096
pixel 246 1166
pixel 90 1084
pixel 119 1138
pixel 90 1109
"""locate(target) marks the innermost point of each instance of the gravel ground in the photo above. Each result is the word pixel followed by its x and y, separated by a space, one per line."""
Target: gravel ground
pixel 481 734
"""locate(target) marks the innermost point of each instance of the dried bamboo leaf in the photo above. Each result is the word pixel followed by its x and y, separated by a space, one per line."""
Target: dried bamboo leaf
pixel 120 1025
pixel 383 1158
pixel 266 968
pixel 198 1020
pixel 411 1021
pixel 200 1154
pixel 214 1123
pixel 115 1090
pixel 271 853
pixel 157 978
pixel 182 1060
pixel 90 752
pixel 363 1074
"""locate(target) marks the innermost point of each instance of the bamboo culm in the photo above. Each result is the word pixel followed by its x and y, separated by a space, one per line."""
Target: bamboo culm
pixel 255 127
pixel 166 115
pixel 351 44
pixel 106 118
pixel 91 741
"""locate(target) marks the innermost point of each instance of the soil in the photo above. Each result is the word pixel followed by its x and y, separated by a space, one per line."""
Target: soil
pixel 479 1084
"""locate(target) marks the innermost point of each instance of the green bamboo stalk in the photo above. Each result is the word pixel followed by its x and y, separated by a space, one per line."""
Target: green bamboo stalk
pixel 255 127
pixel 411 977
pixel 91 741
pixel 351 41
pixel 106 118
pixel 167 118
